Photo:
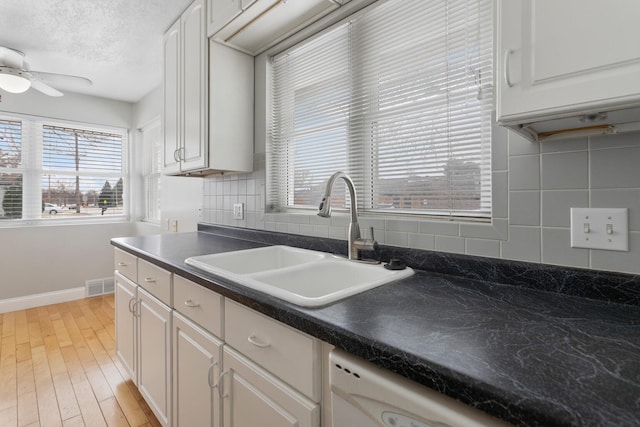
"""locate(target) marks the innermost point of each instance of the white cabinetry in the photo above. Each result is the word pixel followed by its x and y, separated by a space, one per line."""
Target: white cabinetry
pixel 221 12
pixel 185 92
pixel 197 357
pixel 266 373
pixel 558 59
pixel 143 329
pixel 254 25
pixel 273 369
pixel 289 354
pixel 254 397
pixel 230 109
pixel 154 354
pixel 126 296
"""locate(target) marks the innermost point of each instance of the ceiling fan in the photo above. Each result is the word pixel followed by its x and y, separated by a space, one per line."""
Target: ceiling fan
pixel 17 77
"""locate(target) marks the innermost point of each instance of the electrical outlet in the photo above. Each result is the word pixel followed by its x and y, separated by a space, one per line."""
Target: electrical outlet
pixel 174 226
pixel 238 211
pixel 600 228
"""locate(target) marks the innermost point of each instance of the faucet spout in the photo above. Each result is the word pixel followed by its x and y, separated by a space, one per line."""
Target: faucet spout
pixel 356 243
pixel 324 210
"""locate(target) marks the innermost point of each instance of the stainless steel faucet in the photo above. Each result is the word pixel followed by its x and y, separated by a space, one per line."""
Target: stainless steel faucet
pixel 356 243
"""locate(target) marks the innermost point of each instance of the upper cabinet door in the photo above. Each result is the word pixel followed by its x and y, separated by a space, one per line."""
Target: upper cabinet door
pixel 256 25
pixel 194 87
pixel 221 12
pixel 565 56
pixel 172 101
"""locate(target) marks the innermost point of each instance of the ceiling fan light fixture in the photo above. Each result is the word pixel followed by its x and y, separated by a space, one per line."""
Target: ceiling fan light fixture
pixel 13 80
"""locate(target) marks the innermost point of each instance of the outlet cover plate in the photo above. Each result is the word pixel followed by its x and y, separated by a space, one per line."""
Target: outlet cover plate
pixel 238 211
pixel 600 228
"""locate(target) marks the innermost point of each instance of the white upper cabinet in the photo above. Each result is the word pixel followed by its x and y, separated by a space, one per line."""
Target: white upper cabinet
pixel 185 92
pixel 221 12
pixel 208 101
pixel 171 91
pixel 560 63
pixel 254 25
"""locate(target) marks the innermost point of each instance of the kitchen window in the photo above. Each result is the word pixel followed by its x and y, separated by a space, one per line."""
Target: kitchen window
pixel 152 167
pixel 399 96
pixel 51 170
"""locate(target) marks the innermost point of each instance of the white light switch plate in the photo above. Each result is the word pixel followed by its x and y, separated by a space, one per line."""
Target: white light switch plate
pixel 600 228
pixel 238 211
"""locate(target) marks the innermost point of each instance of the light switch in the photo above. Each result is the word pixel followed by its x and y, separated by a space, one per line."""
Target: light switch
pixel 600 228
pixel 238 211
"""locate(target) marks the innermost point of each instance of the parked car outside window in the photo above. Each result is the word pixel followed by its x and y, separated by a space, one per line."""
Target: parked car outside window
pixel 51 209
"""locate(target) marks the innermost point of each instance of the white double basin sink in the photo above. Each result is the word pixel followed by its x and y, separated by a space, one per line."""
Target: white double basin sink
pixel 301 276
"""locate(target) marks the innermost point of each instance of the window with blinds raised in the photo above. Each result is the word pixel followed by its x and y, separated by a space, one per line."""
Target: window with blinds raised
pixel 60 171
pixel 399 97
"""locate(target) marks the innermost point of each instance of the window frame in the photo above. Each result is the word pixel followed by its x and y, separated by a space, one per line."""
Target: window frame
pixel 151 178
pixel 33 169
pixel 364 193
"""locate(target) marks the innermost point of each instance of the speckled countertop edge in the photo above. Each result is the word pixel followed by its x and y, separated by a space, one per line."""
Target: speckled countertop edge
pixel 524 355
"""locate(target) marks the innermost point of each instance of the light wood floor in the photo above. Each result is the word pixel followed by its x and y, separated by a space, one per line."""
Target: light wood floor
pixel 58 367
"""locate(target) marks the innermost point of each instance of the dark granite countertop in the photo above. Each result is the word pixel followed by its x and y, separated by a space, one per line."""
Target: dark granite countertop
pixel 531 357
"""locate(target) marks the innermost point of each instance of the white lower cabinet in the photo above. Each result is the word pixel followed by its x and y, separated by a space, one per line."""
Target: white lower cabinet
pixel 196 366
pixel 126 335
pixel 254 397
pixel 154 354
pixel 199 359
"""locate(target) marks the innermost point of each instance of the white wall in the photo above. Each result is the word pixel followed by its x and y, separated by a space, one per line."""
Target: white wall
pixel 41 259
pixel 53 258
pixel 72 106
pixel 181 197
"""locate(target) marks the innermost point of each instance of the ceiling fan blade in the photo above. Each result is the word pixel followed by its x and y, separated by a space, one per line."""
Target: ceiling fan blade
pixel 65 80
pixel 44 88
pixel 11 58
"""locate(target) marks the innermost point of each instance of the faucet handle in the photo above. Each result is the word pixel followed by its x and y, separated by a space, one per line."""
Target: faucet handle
pixel 369 245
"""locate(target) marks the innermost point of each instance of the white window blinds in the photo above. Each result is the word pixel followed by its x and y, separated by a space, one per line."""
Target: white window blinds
pixel 60 170
pixel 82 167
pixel 153 150
pixel 10 169
pixel 399 97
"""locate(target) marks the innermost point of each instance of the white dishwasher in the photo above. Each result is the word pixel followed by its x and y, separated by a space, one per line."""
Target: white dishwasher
pixel 365 395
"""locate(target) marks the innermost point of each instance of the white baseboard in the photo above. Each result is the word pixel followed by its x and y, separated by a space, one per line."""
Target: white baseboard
pixel 38 300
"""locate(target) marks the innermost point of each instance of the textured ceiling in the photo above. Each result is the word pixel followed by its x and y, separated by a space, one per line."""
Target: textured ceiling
pixel 115 43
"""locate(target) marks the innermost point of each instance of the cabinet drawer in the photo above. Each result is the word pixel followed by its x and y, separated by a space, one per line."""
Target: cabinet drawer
pixel 289 354
pixel 155 280
pixel 198 304
pixel 126 264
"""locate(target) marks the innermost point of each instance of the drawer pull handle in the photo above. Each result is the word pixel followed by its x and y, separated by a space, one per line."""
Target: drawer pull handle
pixel 210 375
pixel 220 385
pixel 149 280
pixel 136 308
pixel 507 79
pixel 253 340
pixel 132 305
pixel 123 264
pixel 190 303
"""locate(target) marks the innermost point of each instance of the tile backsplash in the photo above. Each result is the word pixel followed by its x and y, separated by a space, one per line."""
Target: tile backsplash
pixel 533 187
